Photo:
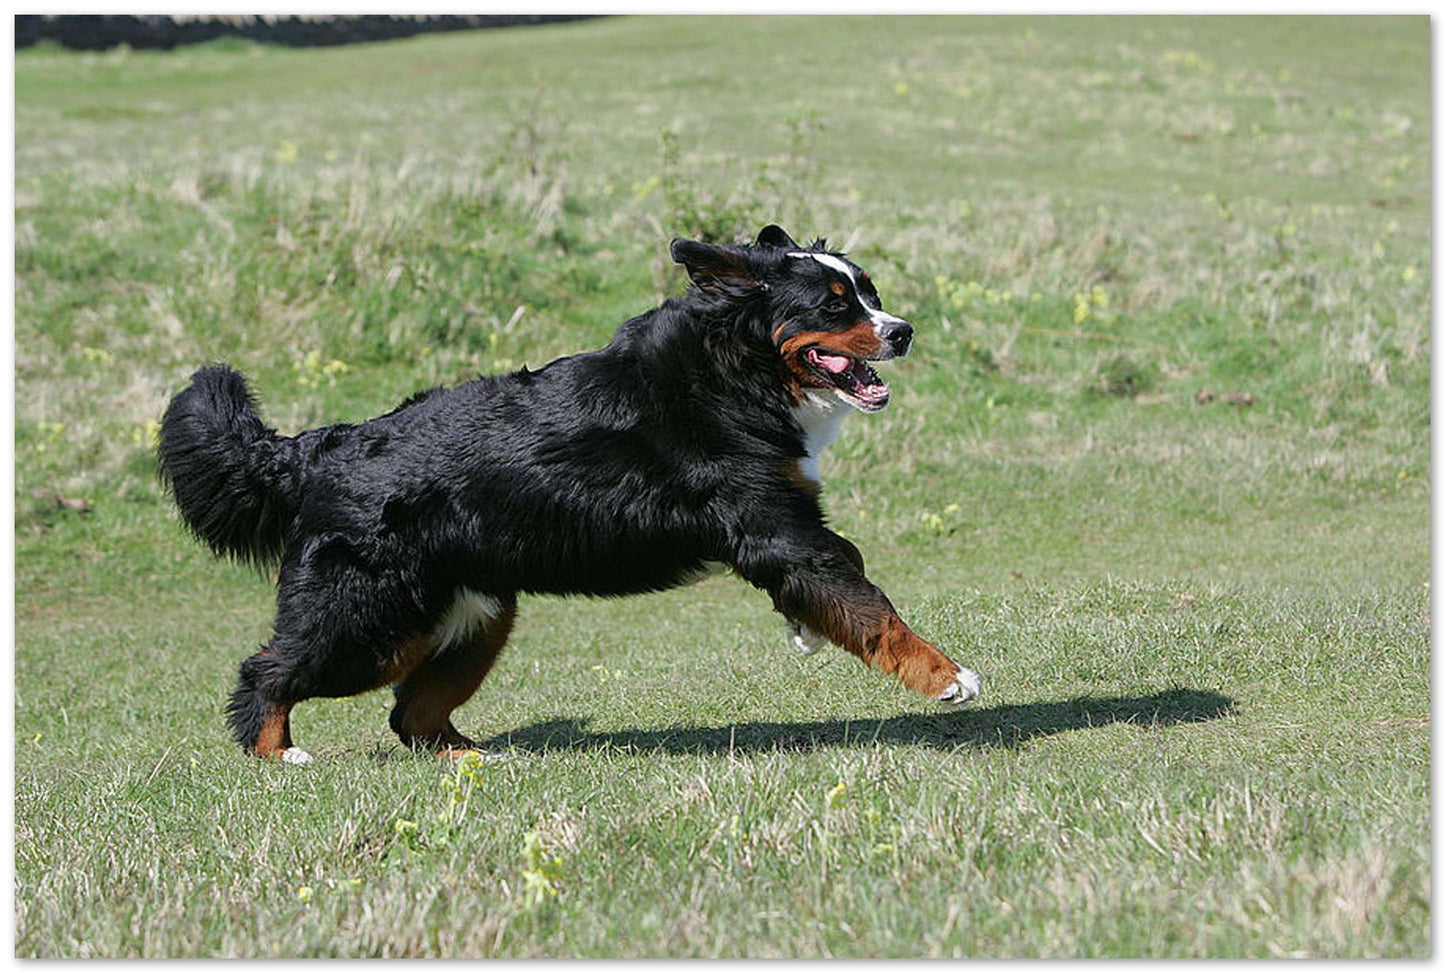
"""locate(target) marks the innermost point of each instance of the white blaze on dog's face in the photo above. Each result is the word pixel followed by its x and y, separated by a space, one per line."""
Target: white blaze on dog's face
pixel 834 324
pixel 885 323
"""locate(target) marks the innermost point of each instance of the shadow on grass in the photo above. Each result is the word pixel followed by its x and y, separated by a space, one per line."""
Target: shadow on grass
pixel 994 726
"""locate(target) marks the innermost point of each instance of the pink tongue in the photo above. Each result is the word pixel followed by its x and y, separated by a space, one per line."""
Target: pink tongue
pixel 837 364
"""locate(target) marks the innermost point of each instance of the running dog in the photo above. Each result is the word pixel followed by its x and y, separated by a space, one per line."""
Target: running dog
pixel 689 442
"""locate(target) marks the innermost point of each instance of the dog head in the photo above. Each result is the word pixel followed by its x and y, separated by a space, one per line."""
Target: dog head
pixel 823 314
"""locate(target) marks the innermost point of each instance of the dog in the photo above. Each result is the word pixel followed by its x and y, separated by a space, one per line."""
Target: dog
pixel 688 442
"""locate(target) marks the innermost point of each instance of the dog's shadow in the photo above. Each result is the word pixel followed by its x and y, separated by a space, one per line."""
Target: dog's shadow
pixel 1008 725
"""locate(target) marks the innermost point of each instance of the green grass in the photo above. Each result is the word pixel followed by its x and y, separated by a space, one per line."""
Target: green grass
pixel 1203 625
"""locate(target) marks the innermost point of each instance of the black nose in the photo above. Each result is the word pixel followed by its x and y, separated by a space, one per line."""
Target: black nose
pixel 898 335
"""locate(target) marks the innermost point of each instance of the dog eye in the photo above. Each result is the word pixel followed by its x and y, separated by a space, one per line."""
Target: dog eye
pixel 837 306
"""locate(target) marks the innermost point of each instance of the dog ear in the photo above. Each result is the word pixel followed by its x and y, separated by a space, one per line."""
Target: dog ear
pixel 773 235
pixel 717 269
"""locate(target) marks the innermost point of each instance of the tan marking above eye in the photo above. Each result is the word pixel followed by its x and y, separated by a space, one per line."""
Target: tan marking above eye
pixel 837 288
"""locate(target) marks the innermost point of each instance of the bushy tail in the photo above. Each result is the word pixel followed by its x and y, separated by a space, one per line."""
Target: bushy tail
pixel 234 480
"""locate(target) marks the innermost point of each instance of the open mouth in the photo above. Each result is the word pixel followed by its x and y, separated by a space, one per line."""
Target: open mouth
pixel 852 377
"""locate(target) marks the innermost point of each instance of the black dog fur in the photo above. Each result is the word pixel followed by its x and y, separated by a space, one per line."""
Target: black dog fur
pixel 403 542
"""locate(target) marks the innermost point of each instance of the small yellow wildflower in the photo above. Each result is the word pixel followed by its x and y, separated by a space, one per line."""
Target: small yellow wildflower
pixel 541 872
pixel 1091 303
pixel 310 370
pixel 147 433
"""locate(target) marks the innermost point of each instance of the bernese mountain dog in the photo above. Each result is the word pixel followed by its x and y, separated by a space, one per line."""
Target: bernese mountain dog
pixel 688 443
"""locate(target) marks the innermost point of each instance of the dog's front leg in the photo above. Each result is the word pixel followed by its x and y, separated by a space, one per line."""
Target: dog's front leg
pixel 816 581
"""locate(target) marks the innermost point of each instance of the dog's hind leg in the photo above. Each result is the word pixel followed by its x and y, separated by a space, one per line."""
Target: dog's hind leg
pixel 259 716
pixel 313 653
pixel 465 649
pixel 344 627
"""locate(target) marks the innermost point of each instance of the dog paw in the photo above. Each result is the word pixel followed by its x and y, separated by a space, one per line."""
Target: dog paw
pixel 805 640
pixel 295 755
pixel 965 687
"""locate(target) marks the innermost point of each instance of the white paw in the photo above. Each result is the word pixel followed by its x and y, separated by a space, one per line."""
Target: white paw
pixel 965 687
pixel 295 755
pixel 805 640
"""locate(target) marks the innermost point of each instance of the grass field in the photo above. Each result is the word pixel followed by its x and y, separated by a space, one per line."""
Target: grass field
pixel 1158 469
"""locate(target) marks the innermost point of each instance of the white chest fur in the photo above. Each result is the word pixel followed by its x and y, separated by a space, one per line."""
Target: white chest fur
pixel 470 611
pixel 821 416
